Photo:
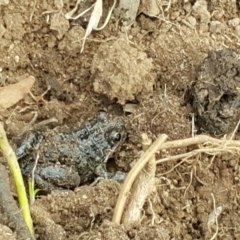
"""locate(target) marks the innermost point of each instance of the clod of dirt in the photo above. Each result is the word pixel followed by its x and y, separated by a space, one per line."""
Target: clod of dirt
pixel 70 42
pixel 149 8
pixel 2 30
pixel 161 114
pixel 6 233
pixel 151 232
pixel 216 27
pixel 16 30
pixel 128 11
pixel 60 24
pixel 108 230
pixel 215 96
pixel 200 10
pixel 77 210
pixel 46 225
pixel 122 71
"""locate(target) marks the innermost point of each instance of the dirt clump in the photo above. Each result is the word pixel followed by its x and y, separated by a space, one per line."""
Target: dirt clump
pixel 122 71
pixel 88 206
pixel 215 95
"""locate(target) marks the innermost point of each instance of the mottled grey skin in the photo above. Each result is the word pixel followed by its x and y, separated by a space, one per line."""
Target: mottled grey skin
pixel 68 159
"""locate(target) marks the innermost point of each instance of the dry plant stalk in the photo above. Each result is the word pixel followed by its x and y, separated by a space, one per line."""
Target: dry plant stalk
pixel 199 140
pixel 94 19
pixel 11 159
pixel 217 146
pixel 213 217
pixel 118 211
pixel 141 189
pixel 212 146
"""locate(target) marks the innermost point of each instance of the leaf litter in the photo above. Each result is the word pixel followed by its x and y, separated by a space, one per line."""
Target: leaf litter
pixel 13 93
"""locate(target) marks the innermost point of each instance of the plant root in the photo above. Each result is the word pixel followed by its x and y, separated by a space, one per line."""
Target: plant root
pixel 118 211
pixel 141 189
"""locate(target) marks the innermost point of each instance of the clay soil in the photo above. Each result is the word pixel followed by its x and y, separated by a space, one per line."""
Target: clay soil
pixel 141 73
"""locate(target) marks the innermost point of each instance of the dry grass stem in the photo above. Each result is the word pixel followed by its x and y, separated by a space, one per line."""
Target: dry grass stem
pixel 235 130
pixel 209 151
pixel 213 217
pixel 201 139
pixel 207 145
pixel 117 215
pixel 141 189
pixel 94 18
pixel 70 14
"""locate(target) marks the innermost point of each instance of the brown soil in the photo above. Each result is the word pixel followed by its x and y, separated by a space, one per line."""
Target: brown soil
pixel 141 73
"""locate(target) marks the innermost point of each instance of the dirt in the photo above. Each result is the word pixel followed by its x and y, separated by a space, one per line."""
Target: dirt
pixel 142 73
pixel 215 96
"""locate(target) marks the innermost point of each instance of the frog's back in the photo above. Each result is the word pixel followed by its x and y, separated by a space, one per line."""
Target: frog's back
pixel 82 149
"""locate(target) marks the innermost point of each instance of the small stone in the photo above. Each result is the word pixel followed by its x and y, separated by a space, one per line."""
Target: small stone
pixel 187 7
pixel 60 24
pixel 17 58
pixel 58 4
pixel 216 27
pixel 200 11
pixel 175 15
pixel 192 20
pixel 4 2
pixel 234 22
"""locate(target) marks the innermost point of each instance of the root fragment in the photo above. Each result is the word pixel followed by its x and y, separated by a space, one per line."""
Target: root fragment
pixel 132 176
pixel 213 217
pixel 142 187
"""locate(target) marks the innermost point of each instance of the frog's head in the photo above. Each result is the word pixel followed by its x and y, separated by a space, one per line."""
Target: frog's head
pixel 116 134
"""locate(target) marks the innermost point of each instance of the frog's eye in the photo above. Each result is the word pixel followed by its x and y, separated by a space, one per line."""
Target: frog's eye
pixel 116 137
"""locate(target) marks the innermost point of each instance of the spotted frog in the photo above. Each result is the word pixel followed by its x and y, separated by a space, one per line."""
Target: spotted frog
pixel 67 159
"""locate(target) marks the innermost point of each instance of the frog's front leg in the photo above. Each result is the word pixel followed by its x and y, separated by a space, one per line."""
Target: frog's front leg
pixel 27 143
pixel 52 177
pixel 102 173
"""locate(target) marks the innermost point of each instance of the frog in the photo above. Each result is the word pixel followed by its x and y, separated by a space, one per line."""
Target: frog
pixel 67 159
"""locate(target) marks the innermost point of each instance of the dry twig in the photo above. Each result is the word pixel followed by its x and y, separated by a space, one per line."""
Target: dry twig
pixel 201 139
pixel 94 19
pixel 213 217
pixel 142 187
pixel 132 176
pixel 209 145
